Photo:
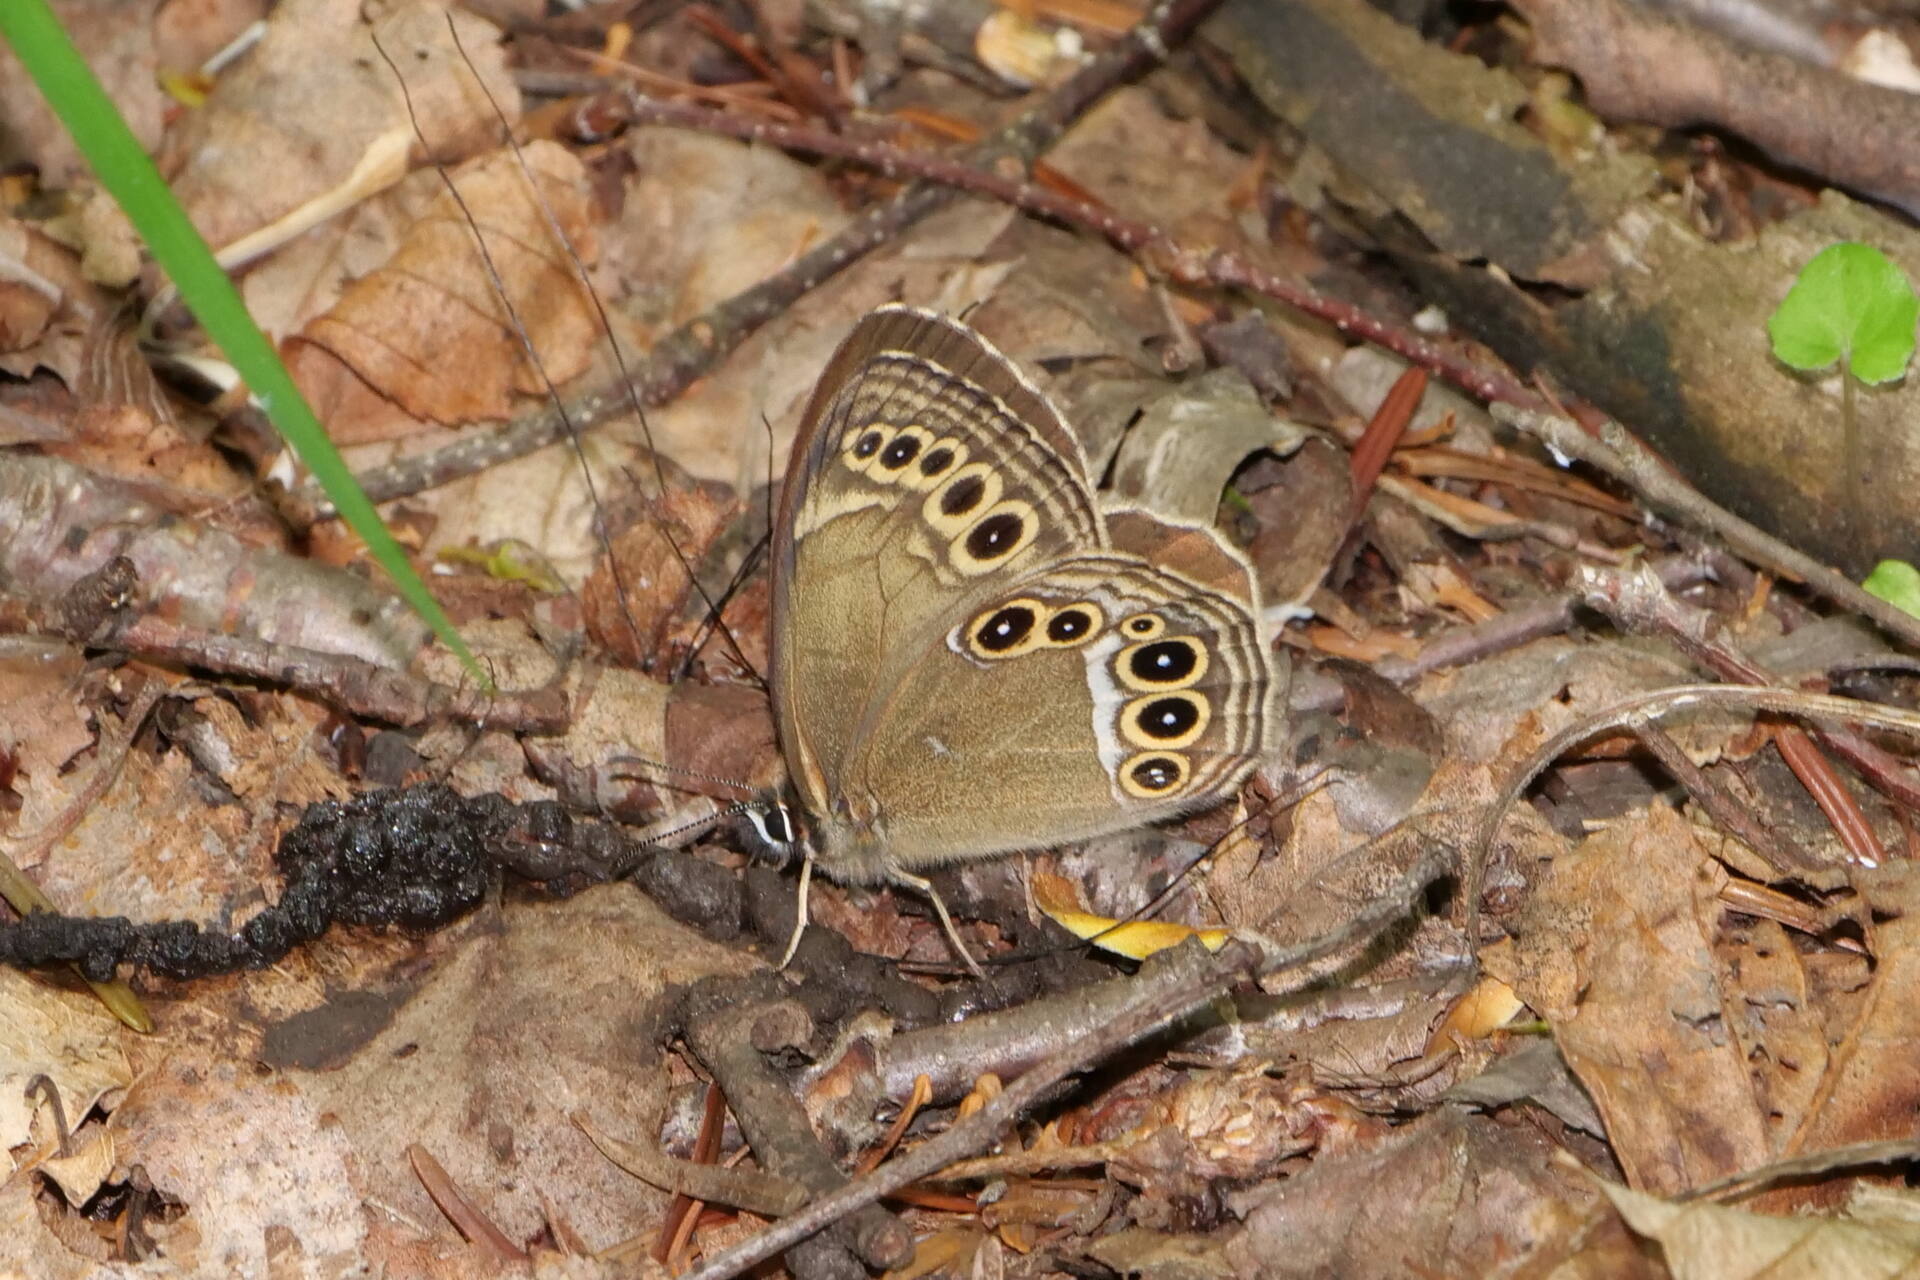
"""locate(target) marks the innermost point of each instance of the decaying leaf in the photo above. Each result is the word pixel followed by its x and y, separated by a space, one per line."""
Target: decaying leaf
pixel 1718 1242
pixel 429 332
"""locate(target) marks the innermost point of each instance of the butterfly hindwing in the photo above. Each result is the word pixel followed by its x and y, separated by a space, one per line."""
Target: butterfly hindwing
pixel 1098 693
pixel 926 466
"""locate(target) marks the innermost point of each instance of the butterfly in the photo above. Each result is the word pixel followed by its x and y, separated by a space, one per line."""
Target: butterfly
pixel 972 653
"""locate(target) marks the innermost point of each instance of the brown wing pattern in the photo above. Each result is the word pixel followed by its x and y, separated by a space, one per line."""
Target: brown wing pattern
pixel 964 664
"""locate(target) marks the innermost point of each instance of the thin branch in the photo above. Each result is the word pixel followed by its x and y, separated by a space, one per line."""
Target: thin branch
pixel 350 684
pixel 1630 712
pixel 690 351
pixel 1159 251
pixel 1171 985
pixel 1615 451
pixel 1637 602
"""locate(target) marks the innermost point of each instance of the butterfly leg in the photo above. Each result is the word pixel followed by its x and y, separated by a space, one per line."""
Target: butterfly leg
pixel 925 889
pixel 800 911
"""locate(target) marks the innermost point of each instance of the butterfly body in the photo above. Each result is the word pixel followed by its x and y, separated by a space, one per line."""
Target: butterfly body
pixel 971 656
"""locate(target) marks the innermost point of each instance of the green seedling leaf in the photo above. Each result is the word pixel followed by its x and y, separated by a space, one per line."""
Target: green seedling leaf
pixel 129 176
pixel 1896 582
pixel 1851 304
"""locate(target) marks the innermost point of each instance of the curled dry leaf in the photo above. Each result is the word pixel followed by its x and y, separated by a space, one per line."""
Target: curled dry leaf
pixel 68 1038
pixel 1136 939
pixel 1616 953
pixel 1472 1196
pixel 1712 1043
pixel 1716 1242
pixel 633 617
pixel 428 333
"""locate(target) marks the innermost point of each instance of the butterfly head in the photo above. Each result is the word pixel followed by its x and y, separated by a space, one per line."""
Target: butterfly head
pixel 774 828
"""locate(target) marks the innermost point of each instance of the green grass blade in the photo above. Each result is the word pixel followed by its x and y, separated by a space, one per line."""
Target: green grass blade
pixel 129 176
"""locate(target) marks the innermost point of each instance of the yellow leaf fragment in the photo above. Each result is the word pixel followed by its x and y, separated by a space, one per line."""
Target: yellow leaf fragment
pixel 1136 939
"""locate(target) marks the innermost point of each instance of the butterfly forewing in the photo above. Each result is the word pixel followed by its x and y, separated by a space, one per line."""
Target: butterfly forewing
pixel 926 465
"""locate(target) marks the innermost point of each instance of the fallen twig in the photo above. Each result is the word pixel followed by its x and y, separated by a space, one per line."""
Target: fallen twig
pixel 728 1023
pixel 1659 69
pixel 1170 985
pixel 1615 451
pixel 84 549
pixel 1636 602
pixel 1160 252
pixel 1628 713
pixel 695 347
pixel 348 683
pixel 1515 627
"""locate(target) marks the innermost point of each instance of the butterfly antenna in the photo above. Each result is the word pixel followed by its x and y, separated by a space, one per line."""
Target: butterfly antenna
pixel 799 912
pixel 664 767
pixel 766 429
pixel 619 360
pixel 749 565
pixel 660 838
pixel 506 302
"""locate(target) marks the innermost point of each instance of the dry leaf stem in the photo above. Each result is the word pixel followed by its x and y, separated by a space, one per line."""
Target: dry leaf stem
pixel 1629 713
pixel 349 684
pixel 1614 450
pixel 1636 602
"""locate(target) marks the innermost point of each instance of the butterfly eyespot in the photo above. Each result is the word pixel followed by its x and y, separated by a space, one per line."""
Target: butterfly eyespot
pixel 1144 626
pixel 995 538
pixel 1165 720
pixel 962 496
pixel 937 460
pixel 1012 628
pixel 862 448
pixel 958 500
pixel 1071 625
pixel 1173 663
pixel 1152 775
pixel 904 448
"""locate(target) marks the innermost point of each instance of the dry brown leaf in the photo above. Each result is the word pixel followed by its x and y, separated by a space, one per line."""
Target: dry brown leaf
pixel 1869 1089
pixel 34 1251
pixel 474 1043
pixel 1714 1242
pixel 297 116
pixel 1615 950
pixel 82 1172
pixel 428 332
pixel 1135 1251
pixel 1471 1196
pixel 113 416
pixel 64 1035
pixel 118 46
pixel 633 623
pixel 46 727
